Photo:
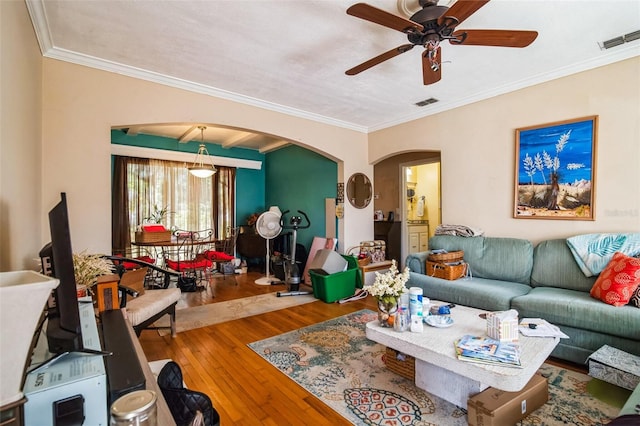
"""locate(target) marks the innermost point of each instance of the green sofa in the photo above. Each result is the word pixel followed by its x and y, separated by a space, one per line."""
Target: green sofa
pixel 539 282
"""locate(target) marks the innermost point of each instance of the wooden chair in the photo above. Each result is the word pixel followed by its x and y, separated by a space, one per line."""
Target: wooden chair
pixel 144 307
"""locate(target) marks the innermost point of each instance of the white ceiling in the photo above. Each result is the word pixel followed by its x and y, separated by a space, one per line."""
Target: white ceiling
pixel 291 55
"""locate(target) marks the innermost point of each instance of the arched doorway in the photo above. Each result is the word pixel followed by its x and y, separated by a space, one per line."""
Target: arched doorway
pixel 399 206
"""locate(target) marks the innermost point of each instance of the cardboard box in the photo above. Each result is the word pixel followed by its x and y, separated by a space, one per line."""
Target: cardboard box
pixel 494 407
pixel 615 366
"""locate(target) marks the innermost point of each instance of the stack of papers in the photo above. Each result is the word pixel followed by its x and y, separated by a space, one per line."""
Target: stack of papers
pixel 487 351
pixel 542 328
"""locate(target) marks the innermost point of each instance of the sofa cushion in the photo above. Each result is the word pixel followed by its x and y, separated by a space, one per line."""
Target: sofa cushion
pixel 555 266
pixel 481 293
pixel 618 280
pixel 577 309
pixel 506 259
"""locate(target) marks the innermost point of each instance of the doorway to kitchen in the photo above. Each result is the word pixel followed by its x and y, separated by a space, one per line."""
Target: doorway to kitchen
pixel 420 198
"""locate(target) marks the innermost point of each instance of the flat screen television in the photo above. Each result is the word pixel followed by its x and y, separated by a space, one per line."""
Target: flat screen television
pixel 64 330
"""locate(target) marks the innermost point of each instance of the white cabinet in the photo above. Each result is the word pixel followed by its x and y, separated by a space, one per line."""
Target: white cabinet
pixel 414 242
pixel 418 238
pixel 423 239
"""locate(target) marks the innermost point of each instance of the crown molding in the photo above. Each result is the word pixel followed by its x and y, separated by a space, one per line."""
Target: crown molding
pixel 39 20
pixel 626 52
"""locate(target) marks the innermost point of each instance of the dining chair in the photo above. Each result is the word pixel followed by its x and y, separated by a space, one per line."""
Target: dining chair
pixel 157 276
pixel 188 256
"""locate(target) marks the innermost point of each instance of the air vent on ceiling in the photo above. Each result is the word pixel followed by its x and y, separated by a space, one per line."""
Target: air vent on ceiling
pixel 426 102
pixel 608 44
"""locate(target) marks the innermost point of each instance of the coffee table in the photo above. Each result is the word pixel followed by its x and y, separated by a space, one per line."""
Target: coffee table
pixel 438 370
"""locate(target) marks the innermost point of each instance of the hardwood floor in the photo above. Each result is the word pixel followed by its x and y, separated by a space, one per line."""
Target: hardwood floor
pixel 245 389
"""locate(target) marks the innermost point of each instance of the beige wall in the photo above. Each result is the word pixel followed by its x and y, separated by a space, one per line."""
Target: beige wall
pixel 81 104
pixel 56 118
pixel 20 134
pixel 477 151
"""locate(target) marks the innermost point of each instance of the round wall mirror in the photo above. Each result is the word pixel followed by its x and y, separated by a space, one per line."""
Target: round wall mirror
pixel 359 190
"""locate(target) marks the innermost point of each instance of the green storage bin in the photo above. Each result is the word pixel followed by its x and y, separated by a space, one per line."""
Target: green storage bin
pixel 330 288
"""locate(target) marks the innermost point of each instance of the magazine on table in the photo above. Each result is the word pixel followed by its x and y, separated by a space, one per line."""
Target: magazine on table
pixel 488 351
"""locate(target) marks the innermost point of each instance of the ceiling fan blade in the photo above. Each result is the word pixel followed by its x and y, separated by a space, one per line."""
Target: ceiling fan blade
pixel 379 16
pixel 431 68
pixel 503 38
pixel 378 59
pixel 462 9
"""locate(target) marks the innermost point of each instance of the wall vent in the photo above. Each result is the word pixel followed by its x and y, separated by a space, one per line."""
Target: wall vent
pixel 608 44
pixel 426 102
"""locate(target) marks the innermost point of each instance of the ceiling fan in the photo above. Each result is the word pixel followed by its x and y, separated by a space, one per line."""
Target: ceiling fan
pixel 430 26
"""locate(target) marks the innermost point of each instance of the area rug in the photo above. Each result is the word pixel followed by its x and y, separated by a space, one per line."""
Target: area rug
pixel 214 313
pixel 335 361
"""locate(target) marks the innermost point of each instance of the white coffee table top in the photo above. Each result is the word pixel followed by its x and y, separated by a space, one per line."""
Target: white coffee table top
pixel 436 346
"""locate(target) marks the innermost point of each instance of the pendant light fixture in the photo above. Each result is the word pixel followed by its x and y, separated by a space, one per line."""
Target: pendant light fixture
pixel 202 168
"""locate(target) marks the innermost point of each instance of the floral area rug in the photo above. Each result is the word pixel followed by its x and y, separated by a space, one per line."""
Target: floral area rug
pixel 335 361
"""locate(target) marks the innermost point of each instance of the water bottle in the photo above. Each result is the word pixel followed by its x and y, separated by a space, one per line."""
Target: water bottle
pixel 415 301
pixel 401 322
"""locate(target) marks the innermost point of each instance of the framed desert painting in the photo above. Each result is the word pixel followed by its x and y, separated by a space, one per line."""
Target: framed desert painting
pixel 555 170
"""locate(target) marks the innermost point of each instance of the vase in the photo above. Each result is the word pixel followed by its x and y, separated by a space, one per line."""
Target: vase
pixel 387 309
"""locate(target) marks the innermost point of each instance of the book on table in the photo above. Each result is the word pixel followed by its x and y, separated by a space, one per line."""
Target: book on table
pixel 488 351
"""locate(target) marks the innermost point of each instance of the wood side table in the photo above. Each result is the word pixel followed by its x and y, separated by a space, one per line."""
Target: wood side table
pixel 368 271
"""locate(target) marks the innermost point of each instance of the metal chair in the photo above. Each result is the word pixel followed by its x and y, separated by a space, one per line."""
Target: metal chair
pixel 188 256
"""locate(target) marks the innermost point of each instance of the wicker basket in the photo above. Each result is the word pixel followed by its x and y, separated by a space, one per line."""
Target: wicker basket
pixel 153 237
pixel 452 256
pixel 405 367
pixel 365 261
pixel 446 272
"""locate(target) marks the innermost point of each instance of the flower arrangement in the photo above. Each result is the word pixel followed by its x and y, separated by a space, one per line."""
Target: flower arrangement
pixel 88 267
pixel 389 286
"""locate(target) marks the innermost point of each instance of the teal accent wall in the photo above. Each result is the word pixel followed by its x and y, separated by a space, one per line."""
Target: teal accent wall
pixel 250 193
pixel 299 179
pixel 250 184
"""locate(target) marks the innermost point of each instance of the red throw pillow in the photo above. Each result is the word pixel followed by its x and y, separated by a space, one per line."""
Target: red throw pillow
pixel 618 280
pixel 217 256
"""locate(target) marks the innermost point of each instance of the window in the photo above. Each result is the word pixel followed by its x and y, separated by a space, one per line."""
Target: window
pixel 141 186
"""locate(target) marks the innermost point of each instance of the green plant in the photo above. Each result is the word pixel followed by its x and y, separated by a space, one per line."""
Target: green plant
pixel 158 215
pixel 88 267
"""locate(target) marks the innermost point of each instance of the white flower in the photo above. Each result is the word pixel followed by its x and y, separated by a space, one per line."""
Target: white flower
pixel 391 284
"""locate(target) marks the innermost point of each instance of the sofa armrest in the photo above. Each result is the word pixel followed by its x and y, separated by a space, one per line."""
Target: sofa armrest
pixel 417 262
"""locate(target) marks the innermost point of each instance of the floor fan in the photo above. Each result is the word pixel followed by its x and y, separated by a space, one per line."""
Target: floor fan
pixel 268 227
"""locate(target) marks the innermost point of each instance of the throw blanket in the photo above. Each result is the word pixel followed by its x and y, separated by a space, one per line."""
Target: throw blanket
pixel 594 251
pixel 458 230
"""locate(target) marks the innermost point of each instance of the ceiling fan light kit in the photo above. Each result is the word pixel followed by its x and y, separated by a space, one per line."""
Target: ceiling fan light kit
pixel 430 26
pixel 201 168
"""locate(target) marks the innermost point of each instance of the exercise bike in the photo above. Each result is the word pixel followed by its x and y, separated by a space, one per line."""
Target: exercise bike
pixel 292 273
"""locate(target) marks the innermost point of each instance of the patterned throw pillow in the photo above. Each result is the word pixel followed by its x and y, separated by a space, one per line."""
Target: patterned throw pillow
pixel 618 280
pixel 635 299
